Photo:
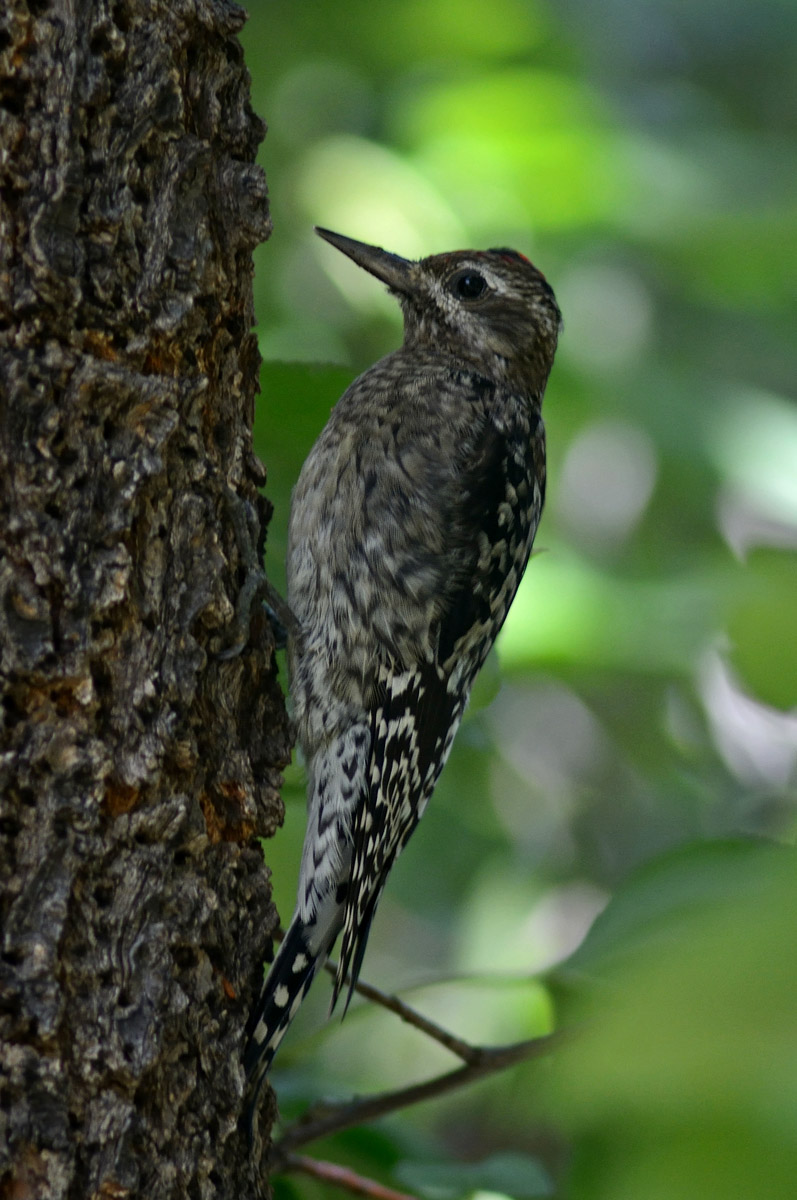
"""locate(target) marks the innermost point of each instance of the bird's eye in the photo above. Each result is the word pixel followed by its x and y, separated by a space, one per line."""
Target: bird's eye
pixel 468 285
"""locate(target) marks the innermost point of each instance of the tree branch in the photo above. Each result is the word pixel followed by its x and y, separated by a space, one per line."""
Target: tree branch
pixel 324 1119
pixel 411 1016
pixel 462 1049
pixel 342 1177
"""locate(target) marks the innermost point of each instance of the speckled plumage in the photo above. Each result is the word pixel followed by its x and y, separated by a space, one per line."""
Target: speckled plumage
pixel 411 526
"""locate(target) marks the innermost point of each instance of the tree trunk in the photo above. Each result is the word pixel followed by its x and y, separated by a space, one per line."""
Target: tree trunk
pixel 137 761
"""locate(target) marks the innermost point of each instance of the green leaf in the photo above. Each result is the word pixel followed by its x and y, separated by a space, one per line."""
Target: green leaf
pixel 286 1189
pixel 515 1175
pixel 762 629
pixel 654 905
pixel 679 1079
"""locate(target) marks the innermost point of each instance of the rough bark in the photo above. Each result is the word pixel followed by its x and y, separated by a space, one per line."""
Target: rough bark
pixel 137 762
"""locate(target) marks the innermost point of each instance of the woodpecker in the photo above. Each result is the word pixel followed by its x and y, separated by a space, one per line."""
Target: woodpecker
pixel 410 529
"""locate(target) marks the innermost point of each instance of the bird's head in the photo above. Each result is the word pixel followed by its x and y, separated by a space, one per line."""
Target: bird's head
pixel 492 308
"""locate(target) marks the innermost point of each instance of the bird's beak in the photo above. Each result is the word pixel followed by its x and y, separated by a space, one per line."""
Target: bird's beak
pixel 390 268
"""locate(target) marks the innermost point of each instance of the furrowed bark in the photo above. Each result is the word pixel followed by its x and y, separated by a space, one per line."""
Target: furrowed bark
pixel 137 761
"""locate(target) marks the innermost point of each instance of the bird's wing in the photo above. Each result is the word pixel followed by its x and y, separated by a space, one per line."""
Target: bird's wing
pixel 419 705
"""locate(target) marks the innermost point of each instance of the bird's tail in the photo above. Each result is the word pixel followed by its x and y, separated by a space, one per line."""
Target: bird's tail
pixel 285 988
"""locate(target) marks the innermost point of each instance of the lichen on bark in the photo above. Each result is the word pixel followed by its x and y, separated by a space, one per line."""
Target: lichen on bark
pixel 137 761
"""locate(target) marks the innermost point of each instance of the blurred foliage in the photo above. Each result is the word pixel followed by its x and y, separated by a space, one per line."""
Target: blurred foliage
pixel 641 709
pixel 680 1080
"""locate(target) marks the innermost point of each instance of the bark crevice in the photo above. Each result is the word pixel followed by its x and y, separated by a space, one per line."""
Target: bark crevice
pixel 136 763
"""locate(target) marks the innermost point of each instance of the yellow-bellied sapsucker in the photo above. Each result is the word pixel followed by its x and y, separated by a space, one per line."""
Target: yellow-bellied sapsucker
pixel 410 528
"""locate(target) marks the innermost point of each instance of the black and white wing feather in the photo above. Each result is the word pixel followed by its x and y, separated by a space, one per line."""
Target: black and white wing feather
pixel 419 705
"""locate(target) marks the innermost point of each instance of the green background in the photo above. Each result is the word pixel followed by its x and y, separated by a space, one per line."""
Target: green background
pixel 633 743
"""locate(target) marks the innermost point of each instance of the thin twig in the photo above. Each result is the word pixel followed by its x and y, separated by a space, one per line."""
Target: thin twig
pixel 342 1177
pixel 324 1119
pixel 479 1061
pixel 462 1049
